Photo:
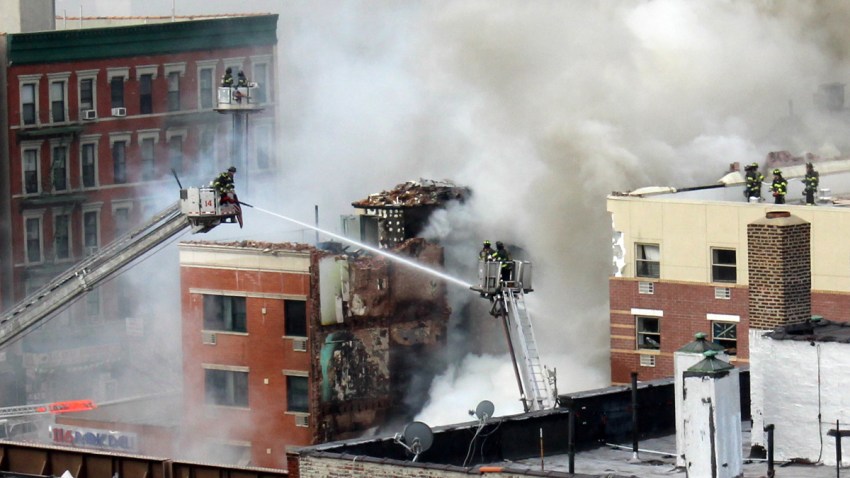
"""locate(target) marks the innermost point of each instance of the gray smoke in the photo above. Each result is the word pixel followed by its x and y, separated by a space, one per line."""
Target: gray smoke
pixel 543 108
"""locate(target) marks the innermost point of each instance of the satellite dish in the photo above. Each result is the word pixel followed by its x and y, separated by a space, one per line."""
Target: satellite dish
pixel 417 438
pixel 485 410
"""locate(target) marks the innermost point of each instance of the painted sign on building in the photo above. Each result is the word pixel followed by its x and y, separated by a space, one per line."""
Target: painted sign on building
pixel 93 438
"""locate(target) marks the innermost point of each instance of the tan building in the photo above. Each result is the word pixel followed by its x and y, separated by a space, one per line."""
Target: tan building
pixel 680 267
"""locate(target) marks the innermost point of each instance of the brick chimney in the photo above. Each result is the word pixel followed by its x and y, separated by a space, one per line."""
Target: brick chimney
pixel 779 265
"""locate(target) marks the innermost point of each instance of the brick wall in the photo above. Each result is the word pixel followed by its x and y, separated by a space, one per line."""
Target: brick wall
pixel 779 264
pixel 685 307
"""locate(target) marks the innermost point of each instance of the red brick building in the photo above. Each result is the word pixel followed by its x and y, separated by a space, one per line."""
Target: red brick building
pixel 287 345
pixel 92 122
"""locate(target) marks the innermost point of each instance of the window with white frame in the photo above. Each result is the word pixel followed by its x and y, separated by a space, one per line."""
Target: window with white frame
pixel 261 77
pixel 59 165
pixel 61 237
pixel 88 164
pixel 263 145
pixel 33 244
pixel 206 83
pixel 58 96
pixel 119 161
pixel 723 265
pixel 147 144
pixel 116 77
pixel 226 386
pixel 173 73
pixel 31 170
pixel 146 94
pixel 647 260
pixel 648 333
pixel 87 83
pixel 28 86
pixel 725 334
pixel 175 150
pixel 121 217
pixel 91 230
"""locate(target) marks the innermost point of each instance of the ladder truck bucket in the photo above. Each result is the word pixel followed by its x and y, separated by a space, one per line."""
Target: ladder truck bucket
pixel 489 275
pixel 203 210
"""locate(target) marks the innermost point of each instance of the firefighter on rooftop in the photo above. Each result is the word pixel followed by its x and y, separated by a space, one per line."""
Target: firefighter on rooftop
pixel 779 187
pixel 811 182
pixel 754 180
pixel 224 186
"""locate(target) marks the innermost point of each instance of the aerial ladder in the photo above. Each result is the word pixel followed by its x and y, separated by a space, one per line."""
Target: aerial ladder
pixel 508 303
pixel 197 208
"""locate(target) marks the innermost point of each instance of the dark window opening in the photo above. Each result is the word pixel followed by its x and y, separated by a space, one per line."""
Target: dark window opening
pixel 726 334
pixel 88 166
pixel 225 313
pixel 174 91
pixel 297 399
pixel 28 103
pixel 226 387
pixel 60 169
pixel 87 94
pixel 116 86
pixel 648 333
pixel 647 262
pixel 295 318
pixel 145 94
pixel 119 162
pixel 62 236
pixel 723 265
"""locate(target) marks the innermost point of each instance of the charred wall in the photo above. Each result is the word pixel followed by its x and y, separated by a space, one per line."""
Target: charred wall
pixel 376 325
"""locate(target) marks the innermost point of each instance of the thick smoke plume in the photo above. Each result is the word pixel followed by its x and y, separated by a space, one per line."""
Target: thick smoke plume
pixel 542 108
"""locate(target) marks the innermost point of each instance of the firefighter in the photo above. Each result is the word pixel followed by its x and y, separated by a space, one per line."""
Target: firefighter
pixel 486 252
pixel 224 186
pixel 241 80
pixel 227 79
pixel 811 182
pixel 502 255
pixel 779 187
pixel 754 180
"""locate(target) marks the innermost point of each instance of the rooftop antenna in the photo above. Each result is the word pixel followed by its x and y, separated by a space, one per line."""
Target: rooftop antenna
pixel 483 410
pixel 416 438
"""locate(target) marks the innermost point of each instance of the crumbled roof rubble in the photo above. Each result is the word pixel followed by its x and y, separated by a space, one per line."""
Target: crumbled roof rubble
pixel 784 159
pixel 261 245
pixel 425 192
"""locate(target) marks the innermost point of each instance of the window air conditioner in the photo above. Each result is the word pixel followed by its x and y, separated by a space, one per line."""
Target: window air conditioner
pixel 119 111
pixel 89 114
pixel 208 338
pixel 299 345
pixel 302 420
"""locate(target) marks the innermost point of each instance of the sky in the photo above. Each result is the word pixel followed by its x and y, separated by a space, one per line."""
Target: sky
pixel 542 108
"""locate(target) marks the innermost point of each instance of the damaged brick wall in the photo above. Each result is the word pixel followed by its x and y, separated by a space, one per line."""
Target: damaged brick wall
pixel 395 318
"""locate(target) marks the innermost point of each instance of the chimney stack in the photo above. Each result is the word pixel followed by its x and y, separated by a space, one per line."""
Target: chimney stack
pixel 779 265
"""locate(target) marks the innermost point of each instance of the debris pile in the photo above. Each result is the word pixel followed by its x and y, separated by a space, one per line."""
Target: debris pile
pixel 261 245
pixel 424 192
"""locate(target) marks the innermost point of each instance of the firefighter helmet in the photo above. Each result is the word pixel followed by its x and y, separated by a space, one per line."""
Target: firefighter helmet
pixel 499 245
pixel 486 243
pixel 777 171
pixel 232 169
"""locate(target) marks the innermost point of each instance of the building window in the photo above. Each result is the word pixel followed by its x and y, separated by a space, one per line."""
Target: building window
pixel 648 333
pixel 59 169
pixel 87 94
pixel 91 233
pixel 146 94
pixel 174 91
pixel 295 318
pixel 121 217
pixel 57 101
pixel 33 239
pixel 175 153
pixel 119 162
pixel 116 88
pixel 297 399
pixel 647 260
pixel 62 237
pixel 263 142
pixel 31 179
pixel 206 88
pixel 261 78
pixel 93 303
pixel 723 268
pixel 148 145
pixel 725 334
pixel 223 312
pixel 28 98
pixel 89 165
pixel 226 387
